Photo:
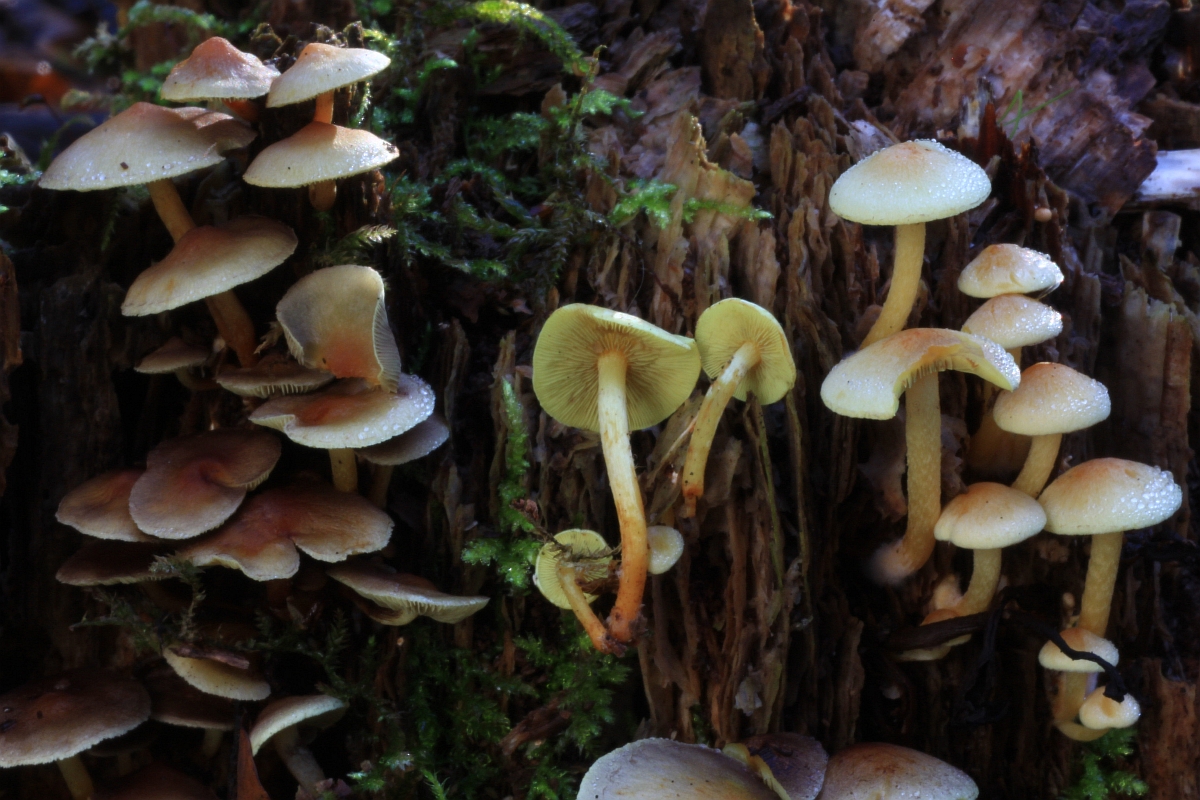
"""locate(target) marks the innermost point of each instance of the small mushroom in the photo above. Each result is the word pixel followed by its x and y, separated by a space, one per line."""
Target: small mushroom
pixel 877 771
pixel 273 375
pixel 287 723
pixel 104 563
pixel 178 357
pixel 574 555
pixel 1002 269
pixel 216 677
pixel 420 441
pixel 409 595
pixel 319 71
pixel 216 70
pixel 666 546
pixel 99 507
pixel 1014 321
pixel 1053 658
pixel 1102 713
pixel 664 769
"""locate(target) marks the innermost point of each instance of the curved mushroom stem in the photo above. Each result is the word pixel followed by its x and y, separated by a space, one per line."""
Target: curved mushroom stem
pixel 380 481
pixel 1103 562
pixel 345 471
pixel 1043 453
pixel 906 279
pixel 170 208
pixel 985 576
pixel 715 400
pixel 79 782
pixel 324 110
pixel 923 432
pixel 1072 690
pixel 211 743
pixel 583 611
pixel 299 760
pixel 627 496
pixel 322 195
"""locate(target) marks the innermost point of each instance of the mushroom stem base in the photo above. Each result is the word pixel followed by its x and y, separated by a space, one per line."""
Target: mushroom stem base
pixel 1103 562
pixel 906 280
pixel 345 471
pixel 380 481
pixel 235 326
pixel 300 762
pixel 79 782
pixel 1043 453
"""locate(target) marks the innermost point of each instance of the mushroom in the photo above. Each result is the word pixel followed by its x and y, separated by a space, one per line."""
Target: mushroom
pixel 155 782
pixel 319 71
pixel 1073 686
pixel 287 722
pixel 796 762
pixel 868 384
pixel 99 507
pixel 744 351
pixel 607 371
pixel 666 546
pixel 575 555
pixel 409 595
pixel 216 677
pixel 1014 321
pixel 664 769
pixel 274 374
pixel 178 357
pixel 176 702
pixel 907 185
pixel 1100 712
pixel 1002 269
pixel 216 70
pixel 56 718
pixel 889 772
pixel 418 442
pixel 104 563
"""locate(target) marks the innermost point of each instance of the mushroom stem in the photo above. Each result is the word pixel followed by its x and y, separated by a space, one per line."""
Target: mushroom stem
pixel 923 432
pixel 324 110
pixel 246 109
pixel 715 400
pixel 994 451
pixel 1103 562
pixel 235 326
pixel 985 575
pixel 211 743
pixel 322 195
pixel 345 471
pixel 906 279
pixel 627 496
pixel 1072 689
pixel 583 611
pixel 79 782
pixel 170 208
pixel 1043 453
pixel 380 481
pixel 299 760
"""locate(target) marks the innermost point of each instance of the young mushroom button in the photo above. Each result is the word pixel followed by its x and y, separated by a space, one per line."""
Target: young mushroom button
pixel 1009 269
pixel 216 70
pixel 285 722
pixel 606 371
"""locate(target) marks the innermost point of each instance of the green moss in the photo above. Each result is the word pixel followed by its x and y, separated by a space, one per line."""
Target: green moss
pixel 1098 775
pixel 528 20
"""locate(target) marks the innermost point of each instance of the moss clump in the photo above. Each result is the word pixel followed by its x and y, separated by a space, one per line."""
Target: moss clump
pixel 1098 775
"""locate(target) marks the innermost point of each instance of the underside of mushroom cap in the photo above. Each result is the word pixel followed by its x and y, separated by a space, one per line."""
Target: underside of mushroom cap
pixel 399 592
pixel 1051 657
pixel 988 516
pixel 319 152
pixel 664 769
pixel 209 260
pixel 99 507
pixel 725 326
pixel 216 70
pixel 217 678
pixel 1014 320
pixel 419 442
pixel 877 771
pixel 173 355
pixel 907 183
pixel 587 548
pixel 104 563
pixel 1052 398
pixel 1107 495
pixel 335 319
pixel 274 374
pixel 868 384
pixel 1009 269
pixel 315 710
pixel 324 68
pixel 174 701
pixel 661 373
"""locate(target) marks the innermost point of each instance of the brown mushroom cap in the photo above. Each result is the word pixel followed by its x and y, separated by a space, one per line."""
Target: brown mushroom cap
pixel 989 515
pixel 217 678
pixel 194 483
pixel 104 563
pixel 664 769
pixel 726 326
pixel 174 701
pixel 877 771
pixel 314 711
pixel 336 319
pixel 99 507
pixel 319 152
pixel 262 539
pixel 383 586
pixel 56 717
pixel 1107 495
pixel 155 782
pixel 216 70
pixel 322 68
pixel 274 374
pixel 174 354
pixel 209 260
pixel 420 441
pixel 1014 320
pixel 1009 269
pixel 1052 398
pixel 798 762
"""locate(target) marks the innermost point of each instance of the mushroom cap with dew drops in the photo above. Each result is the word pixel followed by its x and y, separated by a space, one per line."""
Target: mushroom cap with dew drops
pixel 418 442
pixel 104 563
pixel 209 260
pixel 319 152
pixel 725 326
pixel 910 182
pixel 1014 320
pixel 587 546
pixel 383 586
pixel 99 507
pixel 218 678
pixel 174 701
pixel 194 483
pixel 263 537
pixel 174 354
pixel 868 384
pixel 877 771
pixel 216 70
pixel 335 319
pixel 324 68
pixel 664 769
pixel 155 782
pixel 666 546
pixel 1099 712
pixel 798 762
pixel 348 414
pixel 1052 398
pixel 274 374
pixel 54 718
pixel 315 712
pixel 1106 495
pixel 1051 657
pixel 988 516
pixel 1009 269
pixel 661 373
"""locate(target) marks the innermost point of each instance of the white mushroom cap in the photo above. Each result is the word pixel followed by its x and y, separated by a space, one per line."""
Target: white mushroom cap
pixel 1083 640
pixel 319 152
pixel 1009 269
pixel 664 769
pixel 876 771
pixel 215 677
pixel 408 593
pixel 314 711
pixel 323 68
pixel 989 515
pixel 1052 398
pixel 174 354
pixel 420 441
pixel 1100 713
pixel 666 546
pixel 1014 320
pixel 1107 495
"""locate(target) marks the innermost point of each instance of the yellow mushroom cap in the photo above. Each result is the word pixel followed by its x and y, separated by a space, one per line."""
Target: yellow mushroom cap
pixel 419 442
pixel 209 260
pixel 1009 269
pixel 174 354
pixel 1014 320
pixel 587 546
pixel 1106 495
pixel 273 375
pixel 99 507
pixel 1052 398
pixel 217 70
pixel 725 326
pixel 666 546
pixel 311 711
pixel 383 586
pixel 868 384
pixel 989 515
pixel 218 678
pixel 877 771
pixel 662 367
pixel 664 769
pixel 907 183
pixel 143 143
pixel 323 68
pixel 1084 641
pixel 1101 713
pixel 335 319
pixel 319 152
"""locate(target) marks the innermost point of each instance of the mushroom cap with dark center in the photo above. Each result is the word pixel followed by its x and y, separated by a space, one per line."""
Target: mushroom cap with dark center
pixel 155 782
pixel 664 769
pixel 218 678
pixel 587 546
pixel 194 483
pixel 274 374
pixel 262 538
pixel 335 319
pixel 322 68
pixel 1107 495
pixel 907 183
pixel 420 441
pixel 54 718
pixel 725 326
pixel 798 762
pixel 216 70
pixel 1051 657
pixel 1014 320
pixel 348 414
pixel 174 354
pixel 989 515
pixel 174 701
pixel 209 260
pixel 383 586
pixel 661 373
pixel 319 152
pixel 313 712
pixel 877 771
pixel 868 384
pixel 1009 269
pixel 1052 398
pixel 99 507
pixel 104 563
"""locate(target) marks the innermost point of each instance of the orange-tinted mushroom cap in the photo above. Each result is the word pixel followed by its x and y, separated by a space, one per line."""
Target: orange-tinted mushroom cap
pixel 226 132
pixel 323 68
pixel 319 152
pixel 99 507
pixel 1014 320
pixel 217 70
pixel 877 771
pixel 192 484
pixel 104 563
